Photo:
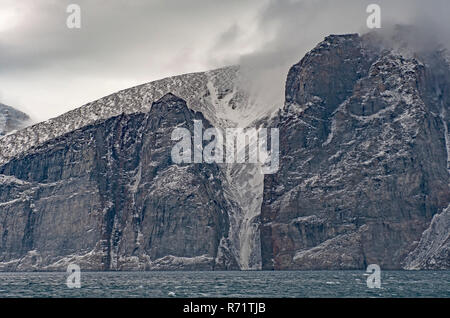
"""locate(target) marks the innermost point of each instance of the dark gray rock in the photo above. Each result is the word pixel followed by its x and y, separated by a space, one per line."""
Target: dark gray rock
pixel 108 197
pixel 363 162
pixel 433 250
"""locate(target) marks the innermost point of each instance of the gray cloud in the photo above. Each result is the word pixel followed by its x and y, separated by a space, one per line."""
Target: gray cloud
pixel 292 28
pixel 47 69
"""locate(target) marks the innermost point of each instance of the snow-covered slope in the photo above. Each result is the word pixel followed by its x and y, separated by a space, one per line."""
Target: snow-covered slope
pixel 214 93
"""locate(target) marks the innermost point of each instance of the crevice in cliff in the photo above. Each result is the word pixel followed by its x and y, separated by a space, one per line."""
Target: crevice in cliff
pixel 443 116
pixel 27 240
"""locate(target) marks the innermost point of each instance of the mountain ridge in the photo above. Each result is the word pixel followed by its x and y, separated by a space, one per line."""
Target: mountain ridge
pixel 214 93
pixel 356 185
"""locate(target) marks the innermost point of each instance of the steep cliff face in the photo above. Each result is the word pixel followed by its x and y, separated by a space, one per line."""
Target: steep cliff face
pixel 363 157
pixel 108 197
pixel 11 119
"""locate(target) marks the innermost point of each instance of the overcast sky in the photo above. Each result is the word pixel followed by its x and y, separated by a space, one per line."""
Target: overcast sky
pixel 47 69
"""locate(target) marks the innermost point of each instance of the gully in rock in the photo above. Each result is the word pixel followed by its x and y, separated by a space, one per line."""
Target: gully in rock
pixel 237 140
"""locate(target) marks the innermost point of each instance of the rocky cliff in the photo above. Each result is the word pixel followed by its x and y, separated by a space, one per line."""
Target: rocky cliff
pixel 215 93
pixel 364 157
pixel 433 251
pixel 363 178
pixel 108 197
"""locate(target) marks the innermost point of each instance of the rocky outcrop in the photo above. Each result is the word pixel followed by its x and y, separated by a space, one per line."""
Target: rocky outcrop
pixel 11 119
pixel 363 157
pixel 433 250
pixel 108 197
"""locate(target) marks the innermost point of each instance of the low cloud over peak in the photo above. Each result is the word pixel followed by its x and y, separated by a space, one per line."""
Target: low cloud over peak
pixel 48 69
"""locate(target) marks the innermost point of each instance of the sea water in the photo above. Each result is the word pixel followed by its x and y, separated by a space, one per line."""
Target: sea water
pixel 228 284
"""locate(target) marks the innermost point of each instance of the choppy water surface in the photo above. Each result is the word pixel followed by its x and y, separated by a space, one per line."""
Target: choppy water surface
pixel 227 284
